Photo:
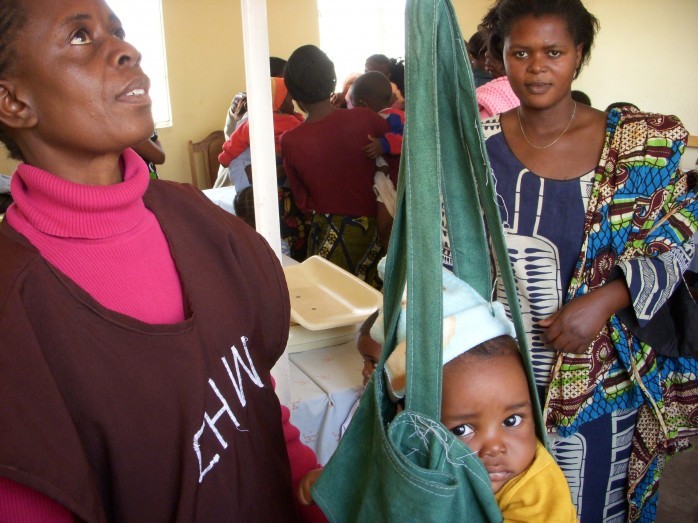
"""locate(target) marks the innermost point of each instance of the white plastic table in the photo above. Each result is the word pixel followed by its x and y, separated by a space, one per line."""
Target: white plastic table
pixel 325 385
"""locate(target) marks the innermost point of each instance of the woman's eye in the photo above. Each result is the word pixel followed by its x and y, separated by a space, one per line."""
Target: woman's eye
pixel 462 431
pixel 520 54
pixel 554 53
pixel 80 37
pixel 512 421
pixel 120 33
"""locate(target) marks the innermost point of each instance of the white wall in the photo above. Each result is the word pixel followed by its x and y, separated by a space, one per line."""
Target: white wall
pixel 646 53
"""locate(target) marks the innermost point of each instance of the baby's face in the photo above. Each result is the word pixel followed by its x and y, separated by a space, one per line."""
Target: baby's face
pixel 487 405
pixel 370 352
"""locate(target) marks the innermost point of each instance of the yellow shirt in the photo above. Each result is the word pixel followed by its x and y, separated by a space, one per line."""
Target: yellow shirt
pixel 538 494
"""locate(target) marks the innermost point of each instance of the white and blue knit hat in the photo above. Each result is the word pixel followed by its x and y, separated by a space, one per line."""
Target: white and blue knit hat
pixel 469 320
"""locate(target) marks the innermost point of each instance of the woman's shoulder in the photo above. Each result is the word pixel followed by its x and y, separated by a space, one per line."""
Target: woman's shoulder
pixel 285 117
pixel 188 206
pixel 645 127
pixel 356 113
pixel 287 122
pixel 191 209
pixel 20 261
pixel 187 213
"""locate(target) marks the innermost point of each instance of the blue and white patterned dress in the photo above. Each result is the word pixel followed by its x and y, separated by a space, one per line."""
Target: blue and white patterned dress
pixel 544 222
pixel 564 238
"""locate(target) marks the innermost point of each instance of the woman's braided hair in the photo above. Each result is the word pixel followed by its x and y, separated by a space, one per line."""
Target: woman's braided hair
pixel 13 17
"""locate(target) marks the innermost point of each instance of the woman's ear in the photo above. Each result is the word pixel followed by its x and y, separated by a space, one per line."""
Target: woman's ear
pixel 578 59
pixel 14 112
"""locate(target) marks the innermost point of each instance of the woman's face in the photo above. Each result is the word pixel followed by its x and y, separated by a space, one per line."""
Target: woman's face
pixel 493 66
pixel 478 59
pixel 81 82
pixel 541 59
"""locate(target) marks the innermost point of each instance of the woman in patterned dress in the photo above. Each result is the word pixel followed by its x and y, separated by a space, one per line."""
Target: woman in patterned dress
pixel 599 222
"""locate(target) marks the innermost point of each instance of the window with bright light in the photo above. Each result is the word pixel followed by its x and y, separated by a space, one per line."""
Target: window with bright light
pixel 142 21
pixel 352 31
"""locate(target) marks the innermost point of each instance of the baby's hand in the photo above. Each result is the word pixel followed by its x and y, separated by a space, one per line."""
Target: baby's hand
pixel 306 483
pixel 374 148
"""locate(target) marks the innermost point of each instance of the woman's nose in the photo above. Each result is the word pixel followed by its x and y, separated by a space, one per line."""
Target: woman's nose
pixel 125 54
pixel 535 64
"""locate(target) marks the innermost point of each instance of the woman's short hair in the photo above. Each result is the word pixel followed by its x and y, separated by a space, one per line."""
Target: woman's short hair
pixel 477 45
pixel 310 75
pixel 13 17
pixel 581 24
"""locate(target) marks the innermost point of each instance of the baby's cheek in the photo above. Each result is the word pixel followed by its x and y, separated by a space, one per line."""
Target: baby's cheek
pixel 528 452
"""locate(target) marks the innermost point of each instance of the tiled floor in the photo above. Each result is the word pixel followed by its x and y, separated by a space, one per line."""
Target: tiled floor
pixel 678 489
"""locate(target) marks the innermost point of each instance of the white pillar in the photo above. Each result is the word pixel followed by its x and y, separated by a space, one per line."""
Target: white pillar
pixel 255 36
pixel 256 44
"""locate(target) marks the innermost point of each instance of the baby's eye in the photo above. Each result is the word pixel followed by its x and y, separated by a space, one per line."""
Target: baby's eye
pixel 463 431
pixel 80 37
pixel 512 421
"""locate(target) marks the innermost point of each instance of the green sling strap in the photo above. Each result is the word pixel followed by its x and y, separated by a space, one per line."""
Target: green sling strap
pixel 408 466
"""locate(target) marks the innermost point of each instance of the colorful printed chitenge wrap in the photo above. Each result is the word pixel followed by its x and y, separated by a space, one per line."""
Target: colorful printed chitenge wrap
pixel 640 219
pixel 348 241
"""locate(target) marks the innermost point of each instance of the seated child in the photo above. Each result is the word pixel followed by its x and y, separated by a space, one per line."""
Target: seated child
pixel 486 404
pixel 284 120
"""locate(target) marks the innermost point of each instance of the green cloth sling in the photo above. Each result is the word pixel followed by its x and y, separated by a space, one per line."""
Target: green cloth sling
pixel 409 467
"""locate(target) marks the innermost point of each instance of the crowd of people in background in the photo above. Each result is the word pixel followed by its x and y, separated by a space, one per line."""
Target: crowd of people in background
pixel 337 159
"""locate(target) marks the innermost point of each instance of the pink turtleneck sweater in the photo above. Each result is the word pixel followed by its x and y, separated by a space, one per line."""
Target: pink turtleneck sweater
pixel 111 245
pixel 102 237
